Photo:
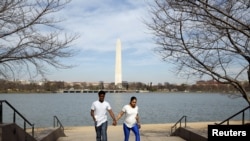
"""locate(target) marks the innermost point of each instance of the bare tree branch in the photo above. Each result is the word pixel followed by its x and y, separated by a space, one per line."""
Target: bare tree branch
pixel 30 39
pixel 204 38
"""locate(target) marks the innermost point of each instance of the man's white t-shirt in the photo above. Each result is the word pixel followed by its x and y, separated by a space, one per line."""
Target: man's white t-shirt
pixel 130 115
pixel 100 109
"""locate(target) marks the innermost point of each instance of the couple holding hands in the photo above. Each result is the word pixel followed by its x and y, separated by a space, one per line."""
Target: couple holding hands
pixel 98 112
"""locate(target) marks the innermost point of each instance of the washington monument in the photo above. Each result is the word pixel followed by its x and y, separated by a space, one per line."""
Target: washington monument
pixel 118 63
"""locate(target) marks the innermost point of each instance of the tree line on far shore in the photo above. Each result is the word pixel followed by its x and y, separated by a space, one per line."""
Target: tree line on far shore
pixel 56 86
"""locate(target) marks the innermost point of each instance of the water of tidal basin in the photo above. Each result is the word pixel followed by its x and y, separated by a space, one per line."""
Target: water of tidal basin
pixel 73 109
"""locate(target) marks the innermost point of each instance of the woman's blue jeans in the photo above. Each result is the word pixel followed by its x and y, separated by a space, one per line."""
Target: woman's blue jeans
pixel 126 131
pixel 101 132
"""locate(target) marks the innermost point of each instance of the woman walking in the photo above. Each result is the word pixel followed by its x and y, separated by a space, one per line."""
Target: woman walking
pixel 131 121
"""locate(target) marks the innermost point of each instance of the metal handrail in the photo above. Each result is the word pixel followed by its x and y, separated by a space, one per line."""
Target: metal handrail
pixel 243 116
pixel 14 116
pixel 179 122
pixel 57 122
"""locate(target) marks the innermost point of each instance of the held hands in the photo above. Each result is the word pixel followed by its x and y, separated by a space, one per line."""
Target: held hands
pixel 114 123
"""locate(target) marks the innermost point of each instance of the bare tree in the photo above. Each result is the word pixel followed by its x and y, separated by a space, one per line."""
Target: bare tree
pixel 205 38
pixel 30 39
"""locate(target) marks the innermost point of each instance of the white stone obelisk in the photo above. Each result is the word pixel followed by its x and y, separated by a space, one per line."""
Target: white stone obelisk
pixel 118 63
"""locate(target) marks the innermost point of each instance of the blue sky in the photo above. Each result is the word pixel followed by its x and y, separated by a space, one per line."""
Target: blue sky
pixel 100 24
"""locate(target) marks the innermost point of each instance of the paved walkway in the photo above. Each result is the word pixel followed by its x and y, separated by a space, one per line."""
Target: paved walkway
pixel 154 132
pixel 149 132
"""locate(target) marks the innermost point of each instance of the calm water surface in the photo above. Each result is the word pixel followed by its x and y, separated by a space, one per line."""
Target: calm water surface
pixel 74 109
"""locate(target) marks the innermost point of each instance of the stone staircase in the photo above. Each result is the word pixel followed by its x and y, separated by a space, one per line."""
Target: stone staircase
pixel 12 132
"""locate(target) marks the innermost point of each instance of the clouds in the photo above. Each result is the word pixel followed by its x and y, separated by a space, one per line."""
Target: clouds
pixel 104 22
pixel 100 24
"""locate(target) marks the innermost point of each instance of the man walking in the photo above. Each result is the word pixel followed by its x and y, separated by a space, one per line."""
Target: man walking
pixel 98 112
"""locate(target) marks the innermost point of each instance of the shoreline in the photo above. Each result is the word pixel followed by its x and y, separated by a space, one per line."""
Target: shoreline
pixel 155 126
pixel 193 124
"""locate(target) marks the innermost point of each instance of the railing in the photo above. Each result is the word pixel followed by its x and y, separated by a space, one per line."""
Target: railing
pixel 174 127
pixel 14 116
pixel 57 123
pixel 240 112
